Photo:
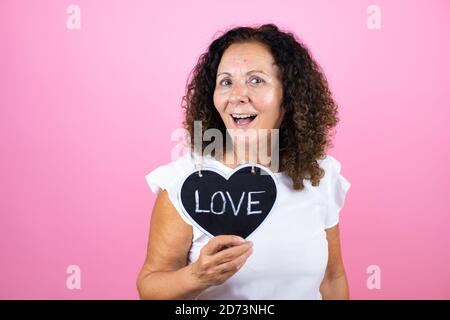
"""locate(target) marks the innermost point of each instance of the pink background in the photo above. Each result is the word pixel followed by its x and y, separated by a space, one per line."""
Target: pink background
pixel 85 114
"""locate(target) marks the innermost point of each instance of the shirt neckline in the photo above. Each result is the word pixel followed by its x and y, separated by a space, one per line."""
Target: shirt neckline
pixel 228 169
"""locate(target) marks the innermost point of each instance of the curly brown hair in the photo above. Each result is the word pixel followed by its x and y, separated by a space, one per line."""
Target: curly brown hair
pixel 310 111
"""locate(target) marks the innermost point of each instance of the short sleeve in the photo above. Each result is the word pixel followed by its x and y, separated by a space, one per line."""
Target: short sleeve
pixel 161 178
pixel 337 188
pixel 167 177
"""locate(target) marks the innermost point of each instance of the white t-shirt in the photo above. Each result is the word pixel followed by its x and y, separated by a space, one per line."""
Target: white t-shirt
pixel 290 249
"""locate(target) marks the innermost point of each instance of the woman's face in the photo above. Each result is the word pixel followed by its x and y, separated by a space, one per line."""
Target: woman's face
pixel 248 92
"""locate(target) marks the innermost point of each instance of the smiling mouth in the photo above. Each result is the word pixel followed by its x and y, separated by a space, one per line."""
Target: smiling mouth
pixel 243 119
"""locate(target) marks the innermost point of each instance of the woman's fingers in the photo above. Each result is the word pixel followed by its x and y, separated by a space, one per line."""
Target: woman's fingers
pixel 235 264
pixel 215 244
pixel 232 253
pixel 215 264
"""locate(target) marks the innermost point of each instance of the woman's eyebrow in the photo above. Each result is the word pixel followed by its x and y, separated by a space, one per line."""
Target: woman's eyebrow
pixel 251 71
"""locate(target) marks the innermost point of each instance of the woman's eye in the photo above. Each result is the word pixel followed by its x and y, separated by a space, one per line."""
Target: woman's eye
pixel 227 82
pixel 224 82
pixel 256 80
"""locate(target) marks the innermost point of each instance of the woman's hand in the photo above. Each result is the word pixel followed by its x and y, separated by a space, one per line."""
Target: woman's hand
pixel 219 259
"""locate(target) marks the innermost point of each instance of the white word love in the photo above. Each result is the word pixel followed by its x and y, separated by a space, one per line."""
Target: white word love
pixel 223 201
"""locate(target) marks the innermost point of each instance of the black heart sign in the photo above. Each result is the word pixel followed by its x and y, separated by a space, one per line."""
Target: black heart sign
pixel 237 204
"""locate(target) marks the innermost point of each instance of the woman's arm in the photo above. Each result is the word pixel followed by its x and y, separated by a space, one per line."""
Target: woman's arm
pixel 168 285
pixel 334 285
pixel 165 273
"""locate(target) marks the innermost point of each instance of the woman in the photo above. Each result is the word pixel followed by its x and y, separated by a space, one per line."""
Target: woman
pixel 255 78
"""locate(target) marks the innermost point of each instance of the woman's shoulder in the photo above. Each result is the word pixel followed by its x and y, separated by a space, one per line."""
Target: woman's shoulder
pixel 333 177
pixel 329 164
pixel 167 174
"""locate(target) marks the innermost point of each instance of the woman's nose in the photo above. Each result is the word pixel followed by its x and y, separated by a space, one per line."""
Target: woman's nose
pixel 239 94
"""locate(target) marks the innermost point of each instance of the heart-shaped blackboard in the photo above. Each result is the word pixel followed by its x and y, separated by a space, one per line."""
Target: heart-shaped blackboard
pixel 235 204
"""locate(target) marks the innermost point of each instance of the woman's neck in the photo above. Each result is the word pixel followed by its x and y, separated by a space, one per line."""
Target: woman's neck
pixel 232 159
